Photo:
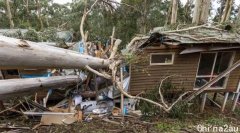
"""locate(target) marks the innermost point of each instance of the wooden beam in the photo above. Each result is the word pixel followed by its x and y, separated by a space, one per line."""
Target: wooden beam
pixel 204 98
pixel 236 97
pixel 235 101
pixel 17 54
pixel 214 103
pixel 225 101
pixel 13 87
pixel 122 96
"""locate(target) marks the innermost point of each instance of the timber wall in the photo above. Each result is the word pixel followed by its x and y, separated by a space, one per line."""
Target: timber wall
pixel 184 65
pixel 146 77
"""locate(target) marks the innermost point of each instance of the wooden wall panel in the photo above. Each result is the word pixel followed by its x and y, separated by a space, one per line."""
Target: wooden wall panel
pixel 184 65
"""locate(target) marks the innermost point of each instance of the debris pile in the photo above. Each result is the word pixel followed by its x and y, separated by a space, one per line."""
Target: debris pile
pixel 82 96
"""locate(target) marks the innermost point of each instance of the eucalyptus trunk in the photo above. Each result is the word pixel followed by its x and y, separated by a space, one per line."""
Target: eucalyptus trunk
pixel 174 11
pixel 227 11
pixel 17 54
pixel 9 14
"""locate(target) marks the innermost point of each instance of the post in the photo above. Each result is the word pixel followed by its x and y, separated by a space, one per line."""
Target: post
pixel 236 97
pixel 214 98
pixel 122 96
pixel 203 102
pixel 1 75
pixel 235 101
pixel 225 101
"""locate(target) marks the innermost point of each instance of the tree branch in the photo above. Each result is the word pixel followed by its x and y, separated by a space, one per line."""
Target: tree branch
pixel 83 35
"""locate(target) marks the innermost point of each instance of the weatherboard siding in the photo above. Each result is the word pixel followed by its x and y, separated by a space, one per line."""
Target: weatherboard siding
pixel 184 65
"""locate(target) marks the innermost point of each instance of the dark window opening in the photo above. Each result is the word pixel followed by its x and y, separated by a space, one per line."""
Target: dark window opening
pixel 162 59
pixel 210 66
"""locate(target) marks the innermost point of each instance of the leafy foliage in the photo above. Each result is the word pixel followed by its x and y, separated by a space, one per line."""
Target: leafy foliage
pixel 148 110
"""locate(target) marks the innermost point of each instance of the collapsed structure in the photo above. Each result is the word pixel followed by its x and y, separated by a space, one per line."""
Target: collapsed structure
pixel 205 60
pixel 197 55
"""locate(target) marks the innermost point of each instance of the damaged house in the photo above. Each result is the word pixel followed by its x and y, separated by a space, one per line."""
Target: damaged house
pixel 197 56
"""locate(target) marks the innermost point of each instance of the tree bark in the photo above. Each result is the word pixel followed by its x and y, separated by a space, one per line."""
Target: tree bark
pixel 174 11
pixel 12 87
pixel 143 25
pixel 204 11
pixel 39 14
pixel 227 11
pixel 17 54
pixel 197 11
pixel 201 11
pixel 168 14
pixel 9 14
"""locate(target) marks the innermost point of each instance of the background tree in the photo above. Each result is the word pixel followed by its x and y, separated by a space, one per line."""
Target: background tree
pixel 227 11
pixel 201 11
pixel 9 13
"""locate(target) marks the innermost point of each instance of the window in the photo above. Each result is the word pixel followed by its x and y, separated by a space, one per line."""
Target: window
pixel 161 58
pixel 210 66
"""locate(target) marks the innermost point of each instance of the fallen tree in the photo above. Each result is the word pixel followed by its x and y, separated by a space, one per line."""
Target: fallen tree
pixel 17 54
pixel 17 86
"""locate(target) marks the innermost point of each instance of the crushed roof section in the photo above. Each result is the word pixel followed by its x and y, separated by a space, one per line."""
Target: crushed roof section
pixel 193 35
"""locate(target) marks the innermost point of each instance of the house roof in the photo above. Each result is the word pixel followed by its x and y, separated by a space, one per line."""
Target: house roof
pixel 193 35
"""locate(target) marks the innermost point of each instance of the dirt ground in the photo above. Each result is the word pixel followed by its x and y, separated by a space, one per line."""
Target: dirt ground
pixel 212 116
pixel 189 124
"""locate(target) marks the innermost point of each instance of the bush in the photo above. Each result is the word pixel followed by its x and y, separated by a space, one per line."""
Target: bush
pixel 179 110
pixel 148 109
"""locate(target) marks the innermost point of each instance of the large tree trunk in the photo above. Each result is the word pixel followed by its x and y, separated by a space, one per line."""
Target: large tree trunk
pixel 197 11
pixel 143 19
pixel 17 54
pixel 227 11
pixel 174 11
pixel 204 11
pixel 168 15
pixel 201 11
pixel 9 14
pixel 12 87
pixel 39 14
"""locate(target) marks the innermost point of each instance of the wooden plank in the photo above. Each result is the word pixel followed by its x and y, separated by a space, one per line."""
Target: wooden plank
pixel 224 101
pixel 235 101
pixel 204 98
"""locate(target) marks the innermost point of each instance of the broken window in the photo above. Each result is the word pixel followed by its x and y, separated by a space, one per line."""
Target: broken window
pixel 210 66
pixel 161 58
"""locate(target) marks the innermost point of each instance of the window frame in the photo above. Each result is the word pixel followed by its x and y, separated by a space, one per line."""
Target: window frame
pixel 165 53
pixel 211 76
